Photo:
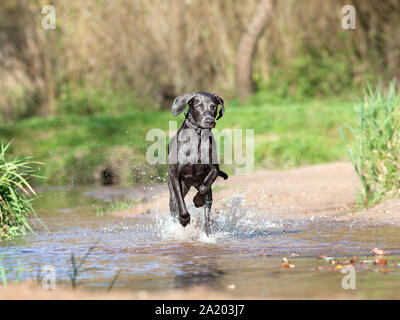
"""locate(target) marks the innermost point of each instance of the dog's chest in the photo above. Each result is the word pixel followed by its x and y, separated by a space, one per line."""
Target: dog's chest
pixel 194 175
pixel 195 148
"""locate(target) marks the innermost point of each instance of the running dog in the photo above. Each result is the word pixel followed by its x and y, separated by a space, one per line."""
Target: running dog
pixel 192 155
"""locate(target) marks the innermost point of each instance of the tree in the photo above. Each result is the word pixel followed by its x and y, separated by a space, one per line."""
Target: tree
pixel 247 47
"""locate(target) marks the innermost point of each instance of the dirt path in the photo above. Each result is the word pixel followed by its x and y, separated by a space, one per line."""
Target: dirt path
pixel 327 190
pixel 33 291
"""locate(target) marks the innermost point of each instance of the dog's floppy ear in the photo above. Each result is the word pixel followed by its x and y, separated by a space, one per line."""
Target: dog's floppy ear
pixel 180 103
pixel 222 110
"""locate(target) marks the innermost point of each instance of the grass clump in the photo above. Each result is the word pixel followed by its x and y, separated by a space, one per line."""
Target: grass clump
pixel 376 150
pixel 15 194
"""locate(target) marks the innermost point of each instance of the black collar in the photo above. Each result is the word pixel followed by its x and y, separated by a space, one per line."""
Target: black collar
pixel 191 125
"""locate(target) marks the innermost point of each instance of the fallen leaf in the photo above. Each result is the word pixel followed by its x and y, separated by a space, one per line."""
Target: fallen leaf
pixel 325 258
pixel 380 262
pixel 377 252
pixel 367 261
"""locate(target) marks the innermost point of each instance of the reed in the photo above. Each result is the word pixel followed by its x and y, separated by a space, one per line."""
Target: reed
pixel 375 152
pixel 16 194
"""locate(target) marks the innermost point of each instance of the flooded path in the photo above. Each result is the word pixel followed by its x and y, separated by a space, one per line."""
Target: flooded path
pixel 243 257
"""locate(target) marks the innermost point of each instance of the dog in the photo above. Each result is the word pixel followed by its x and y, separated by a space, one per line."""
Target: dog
pixel 192 155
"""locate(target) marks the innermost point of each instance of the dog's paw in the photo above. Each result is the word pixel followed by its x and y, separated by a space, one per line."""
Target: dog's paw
pixel 184 219
pixel 199 200
pixel 223 175
pixel 203 190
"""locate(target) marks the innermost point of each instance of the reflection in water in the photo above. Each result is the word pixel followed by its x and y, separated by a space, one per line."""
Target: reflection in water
pixel 193 272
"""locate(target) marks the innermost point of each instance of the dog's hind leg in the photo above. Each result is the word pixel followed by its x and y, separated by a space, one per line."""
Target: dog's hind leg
pixel 207 211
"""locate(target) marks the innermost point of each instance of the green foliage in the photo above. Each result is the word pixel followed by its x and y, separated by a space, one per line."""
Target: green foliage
pixel 309 75
pixel 79 100
pixel 15 191
pixel 19 103
pixel 304 52
pixel 376 150
pixel 76 149
pixel 289 134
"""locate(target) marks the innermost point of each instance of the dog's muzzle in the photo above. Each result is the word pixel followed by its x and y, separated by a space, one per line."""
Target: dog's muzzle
pixel 209 122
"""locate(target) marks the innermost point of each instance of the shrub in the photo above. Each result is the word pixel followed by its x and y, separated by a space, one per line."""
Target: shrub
pixel 15 194
pixel 376 151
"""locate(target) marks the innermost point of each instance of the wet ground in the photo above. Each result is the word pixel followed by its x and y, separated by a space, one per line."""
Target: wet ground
pixel 245 256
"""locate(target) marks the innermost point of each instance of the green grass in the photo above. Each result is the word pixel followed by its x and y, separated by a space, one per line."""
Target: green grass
pixel 375 152
pixel 116 206
pixel 77 148
pixel 15 194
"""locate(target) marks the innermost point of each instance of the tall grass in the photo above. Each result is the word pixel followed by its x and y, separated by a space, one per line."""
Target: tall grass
pixel 15 194
pixel 144 49
pixel 376 151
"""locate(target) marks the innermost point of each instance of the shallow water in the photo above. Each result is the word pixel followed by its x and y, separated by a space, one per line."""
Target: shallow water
pixel 242 257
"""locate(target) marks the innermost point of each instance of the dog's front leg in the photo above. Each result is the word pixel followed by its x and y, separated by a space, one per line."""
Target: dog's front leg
pixel 199 198
pixel 184 217
pixel 208 181
pixel 207 210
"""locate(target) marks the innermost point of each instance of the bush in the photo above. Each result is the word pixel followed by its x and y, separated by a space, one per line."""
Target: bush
pixel 308 75
pixel 87 101
pixel 15 192
pixel 376 151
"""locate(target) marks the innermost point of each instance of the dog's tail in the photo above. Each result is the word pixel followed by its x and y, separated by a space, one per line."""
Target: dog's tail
pixel 222 174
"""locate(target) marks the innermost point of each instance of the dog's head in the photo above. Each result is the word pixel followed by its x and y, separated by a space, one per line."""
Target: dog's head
pixel 203 108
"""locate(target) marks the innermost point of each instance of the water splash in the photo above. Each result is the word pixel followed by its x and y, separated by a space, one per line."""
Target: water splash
pixel 235 223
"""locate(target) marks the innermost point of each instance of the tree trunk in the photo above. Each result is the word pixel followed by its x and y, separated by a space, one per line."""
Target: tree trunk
pixel 50 85
pixel 247 47
pixel 44 46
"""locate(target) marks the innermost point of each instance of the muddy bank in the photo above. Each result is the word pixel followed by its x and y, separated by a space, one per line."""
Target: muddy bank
pixel 323 190
pixel 32 291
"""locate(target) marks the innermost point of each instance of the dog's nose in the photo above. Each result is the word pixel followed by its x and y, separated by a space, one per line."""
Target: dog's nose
pixel 209 122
